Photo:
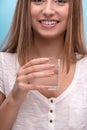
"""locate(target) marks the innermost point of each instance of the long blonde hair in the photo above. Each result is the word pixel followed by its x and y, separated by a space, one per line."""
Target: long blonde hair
pixel 21 36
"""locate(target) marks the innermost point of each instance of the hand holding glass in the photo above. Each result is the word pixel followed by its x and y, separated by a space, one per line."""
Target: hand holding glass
pixel 52 80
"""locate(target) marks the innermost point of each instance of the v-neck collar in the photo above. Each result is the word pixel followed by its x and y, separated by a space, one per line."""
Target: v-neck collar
pixel 66 92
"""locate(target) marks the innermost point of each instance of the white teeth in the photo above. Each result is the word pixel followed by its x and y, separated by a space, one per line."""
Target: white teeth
pixel 49 22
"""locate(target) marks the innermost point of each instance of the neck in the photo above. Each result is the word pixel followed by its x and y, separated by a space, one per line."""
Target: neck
pixel 48 48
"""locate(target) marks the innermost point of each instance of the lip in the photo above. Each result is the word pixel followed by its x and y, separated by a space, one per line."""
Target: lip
pixel 48 23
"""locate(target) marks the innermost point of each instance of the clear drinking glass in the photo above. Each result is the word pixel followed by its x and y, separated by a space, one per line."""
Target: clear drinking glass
pixel 54 79
pixel 51 81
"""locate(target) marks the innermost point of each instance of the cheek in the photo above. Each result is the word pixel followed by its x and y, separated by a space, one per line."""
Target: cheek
pixel 64 18
pixel 34 11
pixel 34 16
pixel 65 12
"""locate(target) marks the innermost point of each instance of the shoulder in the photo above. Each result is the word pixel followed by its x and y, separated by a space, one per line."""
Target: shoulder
pixel 7 56
pixel 83 60
pixel 7 59
pixel 8 70
pixel 82 67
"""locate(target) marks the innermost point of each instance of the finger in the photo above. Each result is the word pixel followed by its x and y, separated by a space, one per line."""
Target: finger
pixel 35 62
pixel 36 68
pixel 31 76
pixel 38 87
pixel 27 87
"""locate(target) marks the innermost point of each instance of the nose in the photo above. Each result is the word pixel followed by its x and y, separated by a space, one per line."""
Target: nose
pixel 48 9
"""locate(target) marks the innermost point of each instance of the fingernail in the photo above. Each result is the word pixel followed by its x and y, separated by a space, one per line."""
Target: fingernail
pixel 52 65
pixel 47 59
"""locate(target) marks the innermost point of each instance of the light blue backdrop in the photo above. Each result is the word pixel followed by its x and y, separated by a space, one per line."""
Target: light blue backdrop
pixel 6 13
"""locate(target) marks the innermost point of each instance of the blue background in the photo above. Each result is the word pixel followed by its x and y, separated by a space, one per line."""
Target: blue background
pixel 7 8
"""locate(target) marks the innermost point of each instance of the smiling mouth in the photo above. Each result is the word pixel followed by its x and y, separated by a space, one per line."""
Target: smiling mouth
pixel 49 22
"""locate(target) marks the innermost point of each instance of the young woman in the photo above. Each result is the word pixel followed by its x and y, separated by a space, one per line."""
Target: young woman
pixel 43 29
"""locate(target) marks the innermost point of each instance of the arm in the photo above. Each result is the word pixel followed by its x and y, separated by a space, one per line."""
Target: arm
pixel 11 104
pixel 8 112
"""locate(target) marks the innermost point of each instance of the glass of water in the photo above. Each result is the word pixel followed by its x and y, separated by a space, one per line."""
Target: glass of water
pixel 51 81
pixel 54 79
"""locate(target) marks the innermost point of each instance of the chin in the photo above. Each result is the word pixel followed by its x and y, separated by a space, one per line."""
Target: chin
pixel 52 35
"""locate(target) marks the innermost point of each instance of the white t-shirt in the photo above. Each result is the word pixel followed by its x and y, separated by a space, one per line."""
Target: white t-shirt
pixel 66 112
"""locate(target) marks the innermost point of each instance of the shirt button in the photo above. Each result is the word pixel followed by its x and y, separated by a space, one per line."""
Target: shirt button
pixel 51 101
pixel 51 111
pixel 51 121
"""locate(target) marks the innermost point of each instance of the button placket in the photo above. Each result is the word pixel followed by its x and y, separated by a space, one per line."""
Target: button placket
pixel 51 114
